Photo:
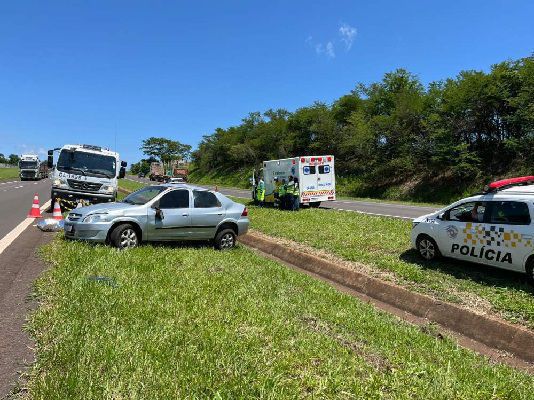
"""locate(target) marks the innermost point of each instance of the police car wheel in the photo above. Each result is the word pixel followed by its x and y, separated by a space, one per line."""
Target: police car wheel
pixel 530 270
pixel 427 247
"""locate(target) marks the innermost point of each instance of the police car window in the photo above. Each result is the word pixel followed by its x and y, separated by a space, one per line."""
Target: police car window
pixel 509 212
pixel 308 170
pixel 175 199
pixel 324 169
pixel 467 212
pixel 205 199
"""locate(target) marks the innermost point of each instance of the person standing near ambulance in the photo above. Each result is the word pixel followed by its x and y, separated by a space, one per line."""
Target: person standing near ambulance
pixel 296 197
pixel 290 194
pixel 282 195
pixel 260 192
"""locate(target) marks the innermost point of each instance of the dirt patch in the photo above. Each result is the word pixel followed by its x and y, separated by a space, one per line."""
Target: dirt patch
pixel 358 347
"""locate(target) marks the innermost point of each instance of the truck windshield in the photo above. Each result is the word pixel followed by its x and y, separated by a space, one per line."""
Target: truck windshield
pixel 144 195
pixel 88 163
pixel 28 164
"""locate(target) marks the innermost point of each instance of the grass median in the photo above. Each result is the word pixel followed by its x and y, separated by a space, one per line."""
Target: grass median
pixel 9 173
pixel 130 185
pixel 384 245
pixel 191 322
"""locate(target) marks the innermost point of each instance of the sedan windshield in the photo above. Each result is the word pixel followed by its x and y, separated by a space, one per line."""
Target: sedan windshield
pixel 144 195
pixel 86 163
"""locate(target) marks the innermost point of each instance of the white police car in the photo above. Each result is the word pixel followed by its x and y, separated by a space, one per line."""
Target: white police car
pixel 494 228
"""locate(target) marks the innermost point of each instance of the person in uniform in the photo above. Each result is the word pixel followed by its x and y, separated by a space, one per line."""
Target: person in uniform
pixel 282 195
pixel 260 192
pixel 290 194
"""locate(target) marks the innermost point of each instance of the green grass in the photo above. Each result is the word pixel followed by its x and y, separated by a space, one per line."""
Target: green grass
pixel 195 323
pixel 384 244
pixel 130 185
pixel 9 173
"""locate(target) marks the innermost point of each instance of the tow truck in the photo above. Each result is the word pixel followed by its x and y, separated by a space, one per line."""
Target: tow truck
pixel 85 173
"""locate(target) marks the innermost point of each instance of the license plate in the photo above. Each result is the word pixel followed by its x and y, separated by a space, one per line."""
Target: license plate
pixel 68 228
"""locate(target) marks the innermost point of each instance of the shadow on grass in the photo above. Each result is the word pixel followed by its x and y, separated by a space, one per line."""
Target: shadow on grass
pixel 482 274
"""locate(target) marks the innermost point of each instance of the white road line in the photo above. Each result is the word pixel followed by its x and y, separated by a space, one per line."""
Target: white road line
pixel 11 236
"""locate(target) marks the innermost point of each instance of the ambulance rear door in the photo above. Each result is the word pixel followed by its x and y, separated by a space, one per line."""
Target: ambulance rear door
pixel 317 179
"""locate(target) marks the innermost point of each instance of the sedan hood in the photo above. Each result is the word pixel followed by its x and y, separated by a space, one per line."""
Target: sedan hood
pixel 102 208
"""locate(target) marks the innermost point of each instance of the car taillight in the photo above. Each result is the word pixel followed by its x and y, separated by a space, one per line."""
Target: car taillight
pixel 245 212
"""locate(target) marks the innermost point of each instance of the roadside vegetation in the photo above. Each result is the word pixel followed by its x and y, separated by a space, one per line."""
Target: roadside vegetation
pixel 397 138
pixel 383 245
pixel 191 322
pixel 8 173
pixel 130 185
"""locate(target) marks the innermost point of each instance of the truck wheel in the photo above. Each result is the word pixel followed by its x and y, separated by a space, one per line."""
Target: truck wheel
pixel 124 236
pixel 315 204
pixel 427 247
pixel 225 239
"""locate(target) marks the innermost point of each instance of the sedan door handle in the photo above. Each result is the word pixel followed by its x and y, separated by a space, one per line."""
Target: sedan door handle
pixel 185 215
pixel 220 214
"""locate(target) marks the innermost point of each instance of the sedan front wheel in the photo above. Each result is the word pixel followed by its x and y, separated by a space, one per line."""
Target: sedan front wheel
pixel 124 237
pixel 428 248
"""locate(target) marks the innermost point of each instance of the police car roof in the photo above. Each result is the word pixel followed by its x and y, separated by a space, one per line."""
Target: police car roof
pixel 525 192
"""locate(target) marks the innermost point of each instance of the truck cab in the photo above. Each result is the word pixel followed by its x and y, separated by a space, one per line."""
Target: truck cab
pixel 85 173
pixel 31 168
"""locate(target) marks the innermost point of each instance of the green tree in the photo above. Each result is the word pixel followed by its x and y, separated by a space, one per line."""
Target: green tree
pixel 13 159
pixel 165 149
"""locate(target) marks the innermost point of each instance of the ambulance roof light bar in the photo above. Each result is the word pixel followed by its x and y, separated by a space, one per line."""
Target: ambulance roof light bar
pixel 508 183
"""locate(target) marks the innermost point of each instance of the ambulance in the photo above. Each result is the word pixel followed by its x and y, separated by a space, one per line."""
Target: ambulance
pixel 494 228
pixel 315 175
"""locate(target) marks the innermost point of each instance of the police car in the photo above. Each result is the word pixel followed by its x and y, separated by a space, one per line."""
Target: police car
pixel 495 227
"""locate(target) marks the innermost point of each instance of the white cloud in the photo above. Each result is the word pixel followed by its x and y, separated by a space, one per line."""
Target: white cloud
pixel 327 49
pixel 330 50
pixel 348 34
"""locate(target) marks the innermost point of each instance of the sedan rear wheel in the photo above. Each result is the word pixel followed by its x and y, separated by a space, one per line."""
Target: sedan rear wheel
pixel 427 247
pixel 124 237
pixel 225 239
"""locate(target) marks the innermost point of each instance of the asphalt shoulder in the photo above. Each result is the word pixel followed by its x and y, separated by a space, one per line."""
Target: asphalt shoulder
pixel 20 266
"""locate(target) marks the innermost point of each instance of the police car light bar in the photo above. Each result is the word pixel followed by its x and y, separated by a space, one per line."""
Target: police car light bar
pixel 507 183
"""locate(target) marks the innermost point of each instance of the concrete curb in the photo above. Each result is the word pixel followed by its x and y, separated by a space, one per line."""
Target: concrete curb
pixel 490 331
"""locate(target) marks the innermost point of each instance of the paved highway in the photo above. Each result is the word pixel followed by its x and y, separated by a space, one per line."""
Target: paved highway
pixel 16 199
pixel 366 207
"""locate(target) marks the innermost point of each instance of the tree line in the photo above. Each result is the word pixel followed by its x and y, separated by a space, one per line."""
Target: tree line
pixel 12 159
pixel 396 137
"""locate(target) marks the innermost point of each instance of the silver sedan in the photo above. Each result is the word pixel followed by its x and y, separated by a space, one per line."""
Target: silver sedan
pixel 161 213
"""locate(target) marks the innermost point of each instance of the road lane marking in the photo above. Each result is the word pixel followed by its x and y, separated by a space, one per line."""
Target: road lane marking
pixel 15 232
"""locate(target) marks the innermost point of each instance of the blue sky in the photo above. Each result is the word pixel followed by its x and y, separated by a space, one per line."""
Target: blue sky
pixel 83 71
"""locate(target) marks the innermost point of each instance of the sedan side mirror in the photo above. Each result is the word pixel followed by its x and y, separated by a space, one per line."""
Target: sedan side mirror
pixel 159 214
pixel 441 216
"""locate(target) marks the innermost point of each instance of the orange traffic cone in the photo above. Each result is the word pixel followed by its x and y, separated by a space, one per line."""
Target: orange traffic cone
pixel 57 211
pixel 35 211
